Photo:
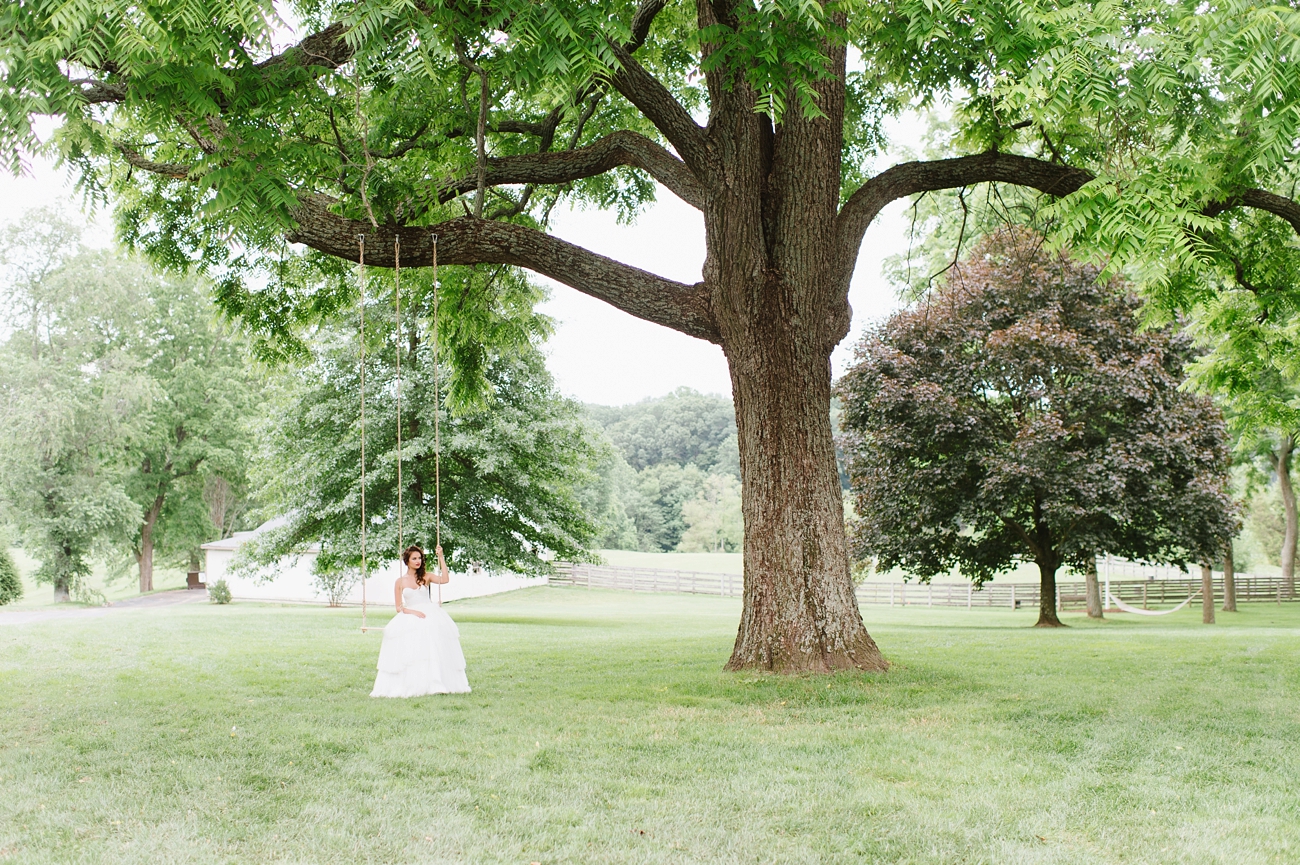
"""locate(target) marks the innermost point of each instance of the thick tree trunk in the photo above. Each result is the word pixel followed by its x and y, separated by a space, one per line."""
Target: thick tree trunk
pixel 144 555
pixel 1229 582
pixel 144 560
pixel 1207 594
pixel 1093 589
pixel 61 593
pixel 776 296
pixel 1283 465
pixel 1047 595
pixel 800 612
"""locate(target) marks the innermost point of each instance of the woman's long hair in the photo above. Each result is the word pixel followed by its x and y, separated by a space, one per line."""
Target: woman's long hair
pixel 406 560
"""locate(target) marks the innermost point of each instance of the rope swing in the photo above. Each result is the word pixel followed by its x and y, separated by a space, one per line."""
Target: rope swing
pixel 361 284
pixel 437 443
pixel 397 310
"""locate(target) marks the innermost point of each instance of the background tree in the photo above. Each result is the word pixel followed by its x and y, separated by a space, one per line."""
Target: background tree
pixel 62 428
pixel 1020 413
pixel 713 519
pixel 1239 298
pixel 1251 368
pixel 11 585
pixel 1245 314
pixel 684 427
pixel 666 450
pixel 192 435
pixel 657 500
pixel 393 119
pixel 513 458
pixel 69 401
pixel 610 499
pixel 93 323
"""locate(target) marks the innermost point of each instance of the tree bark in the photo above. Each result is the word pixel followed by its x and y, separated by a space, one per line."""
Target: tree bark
pixel 144 555
pixel 1093 589
pixel 1207 594
pixel 1047 617
pixel 800 612
pixel 1282 462
pixel 1229 582
pixel 771 266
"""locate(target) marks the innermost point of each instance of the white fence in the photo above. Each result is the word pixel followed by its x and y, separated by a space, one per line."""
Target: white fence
pixel 649 579
pixel 1069 594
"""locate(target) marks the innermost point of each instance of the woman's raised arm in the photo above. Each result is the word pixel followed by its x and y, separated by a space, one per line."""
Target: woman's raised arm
pixel 443 576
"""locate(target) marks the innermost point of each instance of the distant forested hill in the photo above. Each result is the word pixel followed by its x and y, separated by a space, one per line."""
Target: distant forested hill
pixel 671 477
pixel 683 428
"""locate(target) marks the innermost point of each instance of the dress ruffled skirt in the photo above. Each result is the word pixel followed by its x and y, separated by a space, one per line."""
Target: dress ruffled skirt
pixel 421 656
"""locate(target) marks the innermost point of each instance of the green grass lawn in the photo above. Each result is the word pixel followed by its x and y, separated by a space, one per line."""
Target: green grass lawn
pixel 602 729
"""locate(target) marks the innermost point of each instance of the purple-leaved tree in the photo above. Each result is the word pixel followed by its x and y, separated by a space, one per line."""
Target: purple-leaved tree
pixel 1020 413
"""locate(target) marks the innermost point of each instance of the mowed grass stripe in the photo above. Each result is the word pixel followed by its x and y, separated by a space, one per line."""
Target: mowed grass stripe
pixel 603 729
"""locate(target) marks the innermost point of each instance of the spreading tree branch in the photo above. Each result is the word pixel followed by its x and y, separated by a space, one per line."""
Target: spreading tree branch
pixel 96 92
pixel 1278 205
pixel 619 148
pixel 466 240
pixel 172 170
pixel 480 129
pixel 1050 178
pixel 641 21
pixel 661 108
pixel 325 51
pixel 469 240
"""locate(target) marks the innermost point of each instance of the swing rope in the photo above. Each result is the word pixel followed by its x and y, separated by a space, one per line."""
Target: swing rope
pixel 397 306
pixel 437 440
pixel 361 283
pixel 437 394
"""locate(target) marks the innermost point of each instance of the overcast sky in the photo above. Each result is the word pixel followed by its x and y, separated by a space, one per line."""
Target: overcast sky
pixel 599 354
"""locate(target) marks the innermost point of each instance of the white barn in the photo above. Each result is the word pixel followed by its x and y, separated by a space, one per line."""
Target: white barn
pixel 291 581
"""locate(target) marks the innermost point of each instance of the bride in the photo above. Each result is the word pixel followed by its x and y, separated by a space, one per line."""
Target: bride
pixel 421 652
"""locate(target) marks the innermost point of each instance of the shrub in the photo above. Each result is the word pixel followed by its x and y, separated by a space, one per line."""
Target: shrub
pixel 219 592
pixel 11 586
pixel 333 577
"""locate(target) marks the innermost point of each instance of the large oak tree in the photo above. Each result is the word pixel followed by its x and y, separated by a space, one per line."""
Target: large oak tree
pixel 402 119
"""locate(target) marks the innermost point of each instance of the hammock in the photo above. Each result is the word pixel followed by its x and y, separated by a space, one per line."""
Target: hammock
pixel 1131 609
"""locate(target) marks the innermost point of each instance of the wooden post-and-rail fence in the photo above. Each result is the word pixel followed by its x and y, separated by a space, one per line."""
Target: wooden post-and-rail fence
pixel 648 579
pixel 1070 594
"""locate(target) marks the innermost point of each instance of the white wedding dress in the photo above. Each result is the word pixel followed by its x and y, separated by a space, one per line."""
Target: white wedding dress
pixel 420 656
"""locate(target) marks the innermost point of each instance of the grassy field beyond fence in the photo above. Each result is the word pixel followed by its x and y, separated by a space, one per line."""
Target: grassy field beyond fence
pixel 602 729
